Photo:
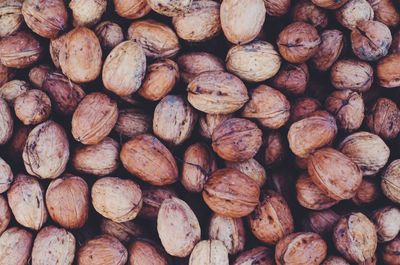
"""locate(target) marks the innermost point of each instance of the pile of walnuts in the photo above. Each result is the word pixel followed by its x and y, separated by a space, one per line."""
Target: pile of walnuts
pixel 199 132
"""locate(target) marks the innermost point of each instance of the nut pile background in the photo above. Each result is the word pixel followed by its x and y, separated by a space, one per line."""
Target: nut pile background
pixel 154 132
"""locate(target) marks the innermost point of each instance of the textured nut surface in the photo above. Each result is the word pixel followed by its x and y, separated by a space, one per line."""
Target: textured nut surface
pixel 5 214
pixel 87 12
pixel 353 12
pixel 208 123
pixel 32 107
pixel 55 48
pixel 303 107
pixel 257 255
pixel 6 176
pixel 170 8
pixel 15 246
pixel 332 42
pixel 386 72
pixel 194 63
pixel 292 78
pixel 390 250
pixel 320 222
pixel 209 252
pixel 352 74
pixel 383 118
pixel 109 34
pixel 132 122
pixel 153 197
pixel 251 168
pixel 132 9
pixel 12 89
pixel 143 252
pixel 275 149
pixel 330 4
pixel 277 8
pixel 335 260
pixel 6 74
pixel 306 11
pixel 387 223
pixel 391 181
pixel 368 192
pixel 124 232
pixel 385 12
pixel 11 17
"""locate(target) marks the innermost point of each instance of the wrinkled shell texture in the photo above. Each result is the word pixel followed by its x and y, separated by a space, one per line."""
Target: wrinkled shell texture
pixel 10 17
pixel 12 89
pixel 391 181
pixel 251 168
pixel 330 4
pixel 209 122
pixel 131 9
pixel 353 12
pixel 124 232
pixel 15 246
pixel 292 79
pixel 390 250
pixel 257 255
pixel 383 118
pixel 306 11
pixel 352 74
pixel 87 12
pixel 170 8
pixel 55 48
pixel 195 63
pixel 332 42
pixel 6 74
pixel 153 197
pixel 368 192
pixel 32 107
pixel 275 149
pixel 321 222
pixel 142 252
pixel 109 34
pixel 387 223
pixel 386 72
pixel 5 214
pixel 335 260
pixel 277 7
pixel 385 12
pixel 6 176
pixel 209 252
pixel 132 122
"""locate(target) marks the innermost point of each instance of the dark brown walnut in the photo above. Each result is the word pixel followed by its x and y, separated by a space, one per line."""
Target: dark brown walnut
pixel 6 122
pixel 242 20
pixel 142 251
pixel 387 223
pixel 194 63
pixel 20 50
pixel 217 92
pixel 198 163
pixel 303 107
pixel 17 144
pixel 94 118
pixel 37 75
pixel 385 12
pixel 389 252
pixel 109 34
pixel 335 260
pixel 208 123
pixel 301 248
pixel 311 133
pixel 367 150
pixel 272 218
pixel 298 42
pixel 209 252
pixel 354 12
pixel 132 122
pixel 269 106
pixel 306 11
pixel 55 48
pixel 320 222
pixel 355 238
pixel 67 200
pixel 153 197
pixel 332 42
pixel 231 193
pixel 330 4
pixel 368 192
pixel 230 231
pixel 383 118
pixel 80 55
pixel 147 158
pixel 275 149
pixel 32 107
pixel 200 22
pixel 371 40
pixel 103 249
pixel 348 108
pixel 334 173
pixel 11 17
pixel 395 48
pixel 117 199
pixel 251 168
pixel 277 7
pixel 53 245
pixel 310 196
pixel 170 8
pixel 391 181
pixel 31 213
pixel 352 74
pixel 87 13
pixel 178 227
pixel 12 89
pixel 258 255
pixel 47 18
pixel 386 71
pixel 124 68
pixel 15 246
pixel 6 74
pixel 46 151
pixel 160 79
pixel 157 39
pixel 237 139
pixel 292 78
pixel 131 9
pixel 5 214
pixel 124 232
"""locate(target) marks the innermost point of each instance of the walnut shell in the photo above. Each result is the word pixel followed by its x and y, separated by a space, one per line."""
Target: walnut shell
pixel 32 107
pixel 46 151
pixel 217 93
pixel 157 39
pixel 335 260
pixel 53 245
pixel 178 227
pixel 6 74
pixel 16 146
pixel 306 11
pixel 132 122
pixel 145 252
pixel 117 199
pixel 55 48
pixel 103 249
pixel 301 248
pixel 385 12
pixel 67 200
pixel 355 237
pixel 353 12
pixel 124 232
pixel 311 133
pixel 131 9
pixel 251 168
pixel 15 246
pixel 87 13
pixel 124 68
pixel 29 213
pixel 209 252
pixel 387 223
pixel 80 55
pixel 272 219
pixel 257 255
pixel 391 181
pixel 352 74
pixel 292 78
pixel 12 89
pixel 389 252
pixel 153 197
pixel 109 34
pixel 303 107
pixel 386 71
pixel 37 75
pixel 6 122
pixel 46 18
pixel 368 192
pixel 147 158
pixel 11 17
pixel 242 20
pixel 208 123
pixel 170 8
pixel 277 7
pixel 94 118
pixel 320 222
pixel 20 50
pixel 383 118
pixel 275 149
pixel 332 42
pixel 230 193
pixel 194 63
pixel 330 4
pixel 5 214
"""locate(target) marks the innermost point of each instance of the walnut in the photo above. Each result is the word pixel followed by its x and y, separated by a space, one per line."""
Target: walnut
pixel 132 122
pixel 32 107
pixel 303 107
pixel 251 168
pixel 145 252
pixel 12 89
pixel 5 214
pixel 320 222
pixel 368 192
pixel 124 232
pixel 87 13
pixel 387 223
pixel 353 12
pixel 132 9
pixel 385 12
pixel 335 260
pixel 275 149
pixel 330 4
pixel 391 181
pixel 6 74
pixel 383 118
pixel 153 197
pixel 194 63
pixel 15 246
pixel 277 7
pixel 389 252
pixel 11 18
pixel 170 8
pixel 209 122
pixel 386 71
pixel 352 74
pixel 6 122
pixel 292 78
pixel 306 11
pixel 257 255
pixel 332 42
pixel 109 34
pixel 209 252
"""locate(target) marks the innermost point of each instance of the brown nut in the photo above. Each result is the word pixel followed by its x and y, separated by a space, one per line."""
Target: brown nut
pixel 32 107
pixel 275 149
pixel 277 7
pixel 330 4
pixel 20 50
pixel 132 9
pixel 301 248
pixel 332 42
pixel 16 146
pixel 348 108
pixel 80 55
pixel 272 219
pixel 391 181
pixel 395 48
pixel 87 13
pixel 311 133
pixel 355 237
pixel 209 252
pixel 383 118
pixel 335 260
pixel 55 48
pixel 109 34
pixel 145 252
pixel 29 213
pixel 231 193
pixel 386 71
pixel 46 151
pixel 303 107
pixel 11 17
pixel 132 122
pixel 124 68
pixel 6 74
pixel 147 158
pixel 178 227
pixel 194 63
pixel 12 89
pixel 353 12
pixel 217 93
pixel 103 249
pixel 368 192
pixel 157 39
pixel 269 106
pixel 160 79
pixel 306 11
pixel 117 199
pixel 237 139
pixel 37 75
pixel 208 123
pixel 170 8
pixel 242 20
pixel 389 252
pixel 15 246
pixel 352 74
pixel 292 78
pixel 46 18
pixel 257 255
pixel 53 245
pixel 385 12
pixel 251 168
pixel 298 42
pixel 153 197
pixel 253 62
pixel 387 223
pixel 5 214
pixel 6 122
pixel 320 222
pixel 124 232
pixel 94 118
